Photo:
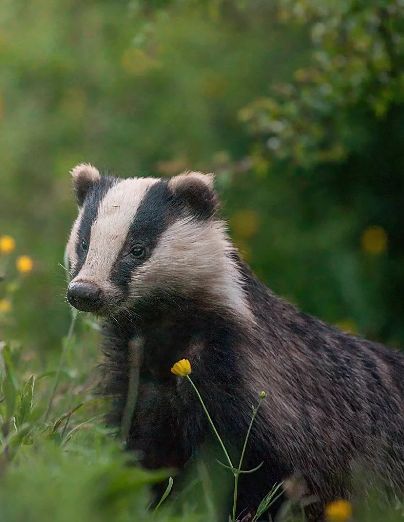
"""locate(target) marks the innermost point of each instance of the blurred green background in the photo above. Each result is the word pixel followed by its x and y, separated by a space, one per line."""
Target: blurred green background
pixel 297 106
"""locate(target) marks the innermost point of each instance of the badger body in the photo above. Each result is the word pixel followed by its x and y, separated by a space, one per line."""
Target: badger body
pixel 153 258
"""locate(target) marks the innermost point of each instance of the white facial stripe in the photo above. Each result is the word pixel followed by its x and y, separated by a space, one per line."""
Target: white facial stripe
pixel 111 227
pixel 195 255
pixel 74 236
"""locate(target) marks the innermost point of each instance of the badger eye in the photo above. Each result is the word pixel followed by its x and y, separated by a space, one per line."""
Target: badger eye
pixel 138 251
pixel 84 245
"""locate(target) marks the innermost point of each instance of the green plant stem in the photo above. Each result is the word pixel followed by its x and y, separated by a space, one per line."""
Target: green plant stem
pixel 165 494
pixel 78 426
pixel 237 473
pixel 66 345
pixel 211 423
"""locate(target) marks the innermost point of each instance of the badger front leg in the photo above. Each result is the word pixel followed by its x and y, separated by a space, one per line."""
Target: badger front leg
pixel 156 434
pixel 147 424
pixel 168 424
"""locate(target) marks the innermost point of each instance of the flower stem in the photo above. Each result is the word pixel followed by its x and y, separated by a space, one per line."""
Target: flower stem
pixel 211 423
pixel 237 472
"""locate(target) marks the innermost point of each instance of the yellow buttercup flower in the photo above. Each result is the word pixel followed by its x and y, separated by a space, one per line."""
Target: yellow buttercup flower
pixel 181 368
pixel 245 223
pixel 5 306
pixel 338 511
pixel 7 244
pixel 24 264
pixel 374 240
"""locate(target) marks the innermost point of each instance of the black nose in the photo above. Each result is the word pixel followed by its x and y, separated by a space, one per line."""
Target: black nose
pixel 85 296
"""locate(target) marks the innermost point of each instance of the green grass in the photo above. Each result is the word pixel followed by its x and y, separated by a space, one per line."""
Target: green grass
pixel 57 461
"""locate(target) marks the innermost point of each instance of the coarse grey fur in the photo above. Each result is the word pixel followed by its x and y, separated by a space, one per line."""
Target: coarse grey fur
pixel 335 402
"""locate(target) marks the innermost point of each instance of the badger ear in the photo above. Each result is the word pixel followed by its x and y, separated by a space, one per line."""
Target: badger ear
pixel 195 190
pixel 84 176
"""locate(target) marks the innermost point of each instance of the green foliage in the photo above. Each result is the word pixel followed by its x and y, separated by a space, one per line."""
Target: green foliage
pixel 327 152
pixel 354 70
pixel 78 485
pixel 62 465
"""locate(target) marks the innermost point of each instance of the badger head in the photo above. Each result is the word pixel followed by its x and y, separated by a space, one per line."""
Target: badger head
pixel 141 239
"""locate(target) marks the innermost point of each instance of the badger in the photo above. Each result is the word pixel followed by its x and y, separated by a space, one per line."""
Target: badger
pixel 152 258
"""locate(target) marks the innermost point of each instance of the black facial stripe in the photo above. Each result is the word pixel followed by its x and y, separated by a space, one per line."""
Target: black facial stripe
pixel 90 211
pixel 156 211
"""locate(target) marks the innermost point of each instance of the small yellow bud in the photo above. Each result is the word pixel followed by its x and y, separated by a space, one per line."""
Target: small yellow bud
pixel 262 394
pixel 5 306
pixel 181 368
pixel 374 240
pixel 245 223
pixel 347 326
pixel 7 244
pixel 24 264
pixel 338 511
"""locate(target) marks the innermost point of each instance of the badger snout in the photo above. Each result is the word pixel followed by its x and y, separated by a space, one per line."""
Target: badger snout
pixel 85 296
